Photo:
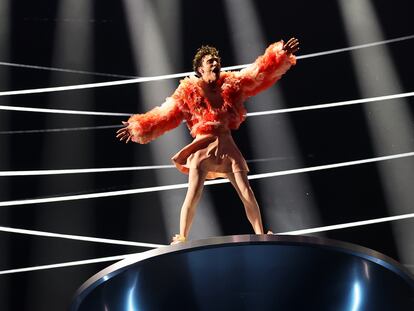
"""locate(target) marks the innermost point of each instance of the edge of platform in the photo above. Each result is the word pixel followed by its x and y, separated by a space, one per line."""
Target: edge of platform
pixel 346 247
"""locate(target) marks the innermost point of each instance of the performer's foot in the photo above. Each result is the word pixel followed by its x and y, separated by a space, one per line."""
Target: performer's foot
pixel 176 239
pixel 269 232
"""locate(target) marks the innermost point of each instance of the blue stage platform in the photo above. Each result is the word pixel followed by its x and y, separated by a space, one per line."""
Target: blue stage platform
pixel 251 272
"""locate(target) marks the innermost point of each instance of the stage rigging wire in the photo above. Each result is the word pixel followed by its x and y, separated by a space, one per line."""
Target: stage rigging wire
pixel 78 237
pixel 120 257
pixel 105 170
pixel 85 72
pixel 67 264
pixel 68 129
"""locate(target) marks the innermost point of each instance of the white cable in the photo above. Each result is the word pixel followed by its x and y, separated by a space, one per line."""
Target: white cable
pixel 67 264
pixel 297 232
pixel 102 170
pixel 211 182
pixel 68 129
pixel 78 237
pixel 348 225
pixel 82 171
pixel 356 47
pixel 62 111
pixel 66 70
pixel 180 75
pixel 94 85
pixel 335 51
pixel 331 105
pixel 330 166
pixel 94 195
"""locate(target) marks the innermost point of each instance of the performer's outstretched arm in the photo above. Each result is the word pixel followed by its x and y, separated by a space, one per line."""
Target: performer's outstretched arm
pixel 142 128
pixel 269 67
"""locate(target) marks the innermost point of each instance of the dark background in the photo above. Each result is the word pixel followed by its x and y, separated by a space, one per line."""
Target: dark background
pixel 104 40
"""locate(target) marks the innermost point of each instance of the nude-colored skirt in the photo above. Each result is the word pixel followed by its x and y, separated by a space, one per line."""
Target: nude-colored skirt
pixel 216 154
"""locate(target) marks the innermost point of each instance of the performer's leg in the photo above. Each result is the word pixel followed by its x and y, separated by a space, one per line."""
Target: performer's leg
pixel 241 184
pixel 196 179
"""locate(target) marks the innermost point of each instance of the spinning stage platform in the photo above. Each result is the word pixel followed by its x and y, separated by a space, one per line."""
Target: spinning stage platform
pixel 251 272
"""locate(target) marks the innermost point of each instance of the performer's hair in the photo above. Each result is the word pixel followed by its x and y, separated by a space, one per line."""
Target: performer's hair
pixel 201 52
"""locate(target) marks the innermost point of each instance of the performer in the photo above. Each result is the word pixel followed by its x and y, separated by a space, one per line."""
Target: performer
pixel 211 103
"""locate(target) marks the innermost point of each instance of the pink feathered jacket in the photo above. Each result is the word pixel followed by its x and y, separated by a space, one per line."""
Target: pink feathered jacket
pixel 187 103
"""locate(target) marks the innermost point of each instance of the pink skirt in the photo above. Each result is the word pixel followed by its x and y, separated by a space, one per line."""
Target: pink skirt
pixel 216 154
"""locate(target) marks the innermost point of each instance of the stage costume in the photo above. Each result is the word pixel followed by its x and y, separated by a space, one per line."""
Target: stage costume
pixel 213 149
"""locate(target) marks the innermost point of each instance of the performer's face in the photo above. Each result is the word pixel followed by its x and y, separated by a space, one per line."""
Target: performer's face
pixel 210 68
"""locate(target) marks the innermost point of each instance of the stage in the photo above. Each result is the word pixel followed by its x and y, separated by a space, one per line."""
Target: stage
pixel 251 272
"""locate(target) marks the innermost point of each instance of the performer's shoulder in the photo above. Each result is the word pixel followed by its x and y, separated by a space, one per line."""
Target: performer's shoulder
pixel 229 75
pixel 187 86
pixel 191 79
pixel 226 74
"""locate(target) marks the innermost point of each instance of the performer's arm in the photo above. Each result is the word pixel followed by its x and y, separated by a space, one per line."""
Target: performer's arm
pixel 269 67
pixel 142 128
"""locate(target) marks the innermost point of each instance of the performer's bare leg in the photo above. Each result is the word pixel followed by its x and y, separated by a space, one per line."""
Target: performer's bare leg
pixel 196 179
pixel 241 184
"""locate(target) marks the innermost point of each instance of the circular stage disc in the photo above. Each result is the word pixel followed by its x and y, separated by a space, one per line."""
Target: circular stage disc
pixel 251 272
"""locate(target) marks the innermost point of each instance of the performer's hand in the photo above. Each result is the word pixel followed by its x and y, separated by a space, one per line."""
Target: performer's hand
pixel 292 46
pixel 123 133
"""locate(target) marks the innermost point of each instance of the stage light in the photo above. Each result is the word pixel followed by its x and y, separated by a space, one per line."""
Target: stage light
pixel 5 154
pixel 72 48
pixel 356 297
pixel 131 300
pixel 266 138
pixel 152 48
pixel 5 72
pixel 390 124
